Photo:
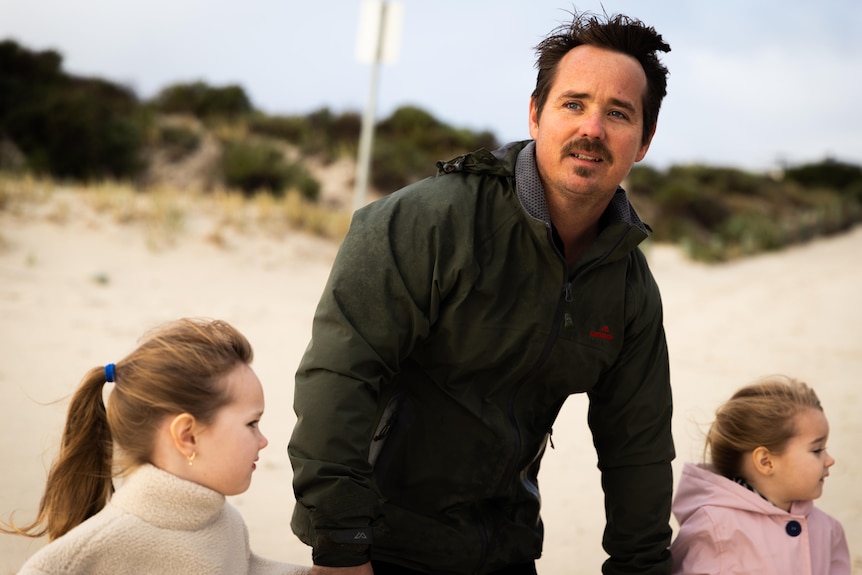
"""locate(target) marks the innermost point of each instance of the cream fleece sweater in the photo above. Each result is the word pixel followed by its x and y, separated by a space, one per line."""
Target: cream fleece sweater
pixel 158 523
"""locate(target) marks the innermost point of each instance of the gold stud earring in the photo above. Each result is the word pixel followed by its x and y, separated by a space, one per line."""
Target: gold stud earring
pixel 192 458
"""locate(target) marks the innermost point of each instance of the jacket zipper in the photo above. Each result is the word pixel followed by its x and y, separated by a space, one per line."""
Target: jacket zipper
pixel 567 296
pixel 509 473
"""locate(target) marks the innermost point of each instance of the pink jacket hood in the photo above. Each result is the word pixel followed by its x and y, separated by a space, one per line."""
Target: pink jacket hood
pixel 728 529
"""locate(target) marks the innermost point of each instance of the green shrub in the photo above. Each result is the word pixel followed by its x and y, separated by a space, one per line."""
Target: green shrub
pixel 300 179
pixel 751 233
pixel 292 129
pixel 394 165
pixel 320 133
pixel 24 73
pixel 411 141
pixel 66 126
pixel 203 101
pixel 406 147
pixel 254 167
pixel 725 179
pixel 330 134
pixel 415 127
pixel 345 129
pixel 178 141
pixel 643 180
pixel 684 199
pixel 827 174
pixel 853 192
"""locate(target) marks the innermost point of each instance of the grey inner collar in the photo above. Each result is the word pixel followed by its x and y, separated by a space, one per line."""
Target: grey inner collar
pixel 532 195
pixel 529 185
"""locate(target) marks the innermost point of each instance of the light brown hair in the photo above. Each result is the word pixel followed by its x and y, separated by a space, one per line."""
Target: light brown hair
pixel 177 368
pixel 760 414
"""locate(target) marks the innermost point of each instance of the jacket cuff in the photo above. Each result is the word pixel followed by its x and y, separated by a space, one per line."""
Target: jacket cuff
pixel 342 547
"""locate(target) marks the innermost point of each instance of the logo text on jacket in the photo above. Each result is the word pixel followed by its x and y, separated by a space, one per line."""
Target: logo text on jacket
pixel 603 333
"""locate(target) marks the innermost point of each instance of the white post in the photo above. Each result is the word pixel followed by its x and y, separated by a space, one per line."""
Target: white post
pixel 378 42
pixel 366 137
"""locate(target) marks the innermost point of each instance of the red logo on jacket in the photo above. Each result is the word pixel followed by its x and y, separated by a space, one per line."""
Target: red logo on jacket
pixel 604 333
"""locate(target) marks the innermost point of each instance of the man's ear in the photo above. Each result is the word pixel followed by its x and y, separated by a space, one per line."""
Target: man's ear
pixel 763 461
pixel 183 429
pixel 645 145
pixel 534 117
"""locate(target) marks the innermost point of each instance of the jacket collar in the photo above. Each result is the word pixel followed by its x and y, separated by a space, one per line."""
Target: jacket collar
pixel 532 196
pixel 166 501
pixel 700 485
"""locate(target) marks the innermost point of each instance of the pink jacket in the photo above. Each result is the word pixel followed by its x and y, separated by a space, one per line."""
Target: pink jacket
pixel 729 530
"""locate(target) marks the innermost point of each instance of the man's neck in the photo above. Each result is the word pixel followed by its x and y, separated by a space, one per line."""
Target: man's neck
pixel 576 225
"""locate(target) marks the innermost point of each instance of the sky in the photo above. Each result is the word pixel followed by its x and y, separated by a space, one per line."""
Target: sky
pixel 755 85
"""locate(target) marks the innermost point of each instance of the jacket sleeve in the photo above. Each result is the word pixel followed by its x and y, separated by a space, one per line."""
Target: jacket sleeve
pixel 378 302
pixel 696 548
pixel 630 418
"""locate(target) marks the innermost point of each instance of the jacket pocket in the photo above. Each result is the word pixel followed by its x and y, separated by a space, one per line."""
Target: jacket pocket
pixel 384 427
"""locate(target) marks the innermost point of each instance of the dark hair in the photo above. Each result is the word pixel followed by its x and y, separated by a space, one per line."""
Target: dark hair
pixel 760 414
pixel 618 33
pixel 177 368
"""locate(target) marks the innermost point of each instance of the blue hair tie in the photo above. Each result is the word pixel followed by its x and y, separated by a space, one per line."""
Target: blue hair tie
pixel 109 373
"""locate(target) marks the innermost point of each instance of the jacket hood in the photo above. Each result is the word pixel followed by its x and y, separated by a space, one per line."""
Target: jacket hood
pixel 699 486
pixel 517 160
pixel 500 162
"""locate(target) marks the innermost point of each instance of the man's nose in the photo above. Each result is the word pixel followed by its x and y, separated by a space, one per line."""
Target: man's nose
pixel 593 125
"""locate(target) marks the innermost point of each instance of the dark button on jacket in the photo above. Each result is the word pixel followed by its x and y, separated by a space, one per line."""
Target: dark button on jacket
pixel 793 528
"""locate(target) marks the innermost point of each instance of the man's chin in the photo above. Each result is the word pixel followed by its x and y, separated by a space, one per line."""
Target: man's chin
pixel 586 172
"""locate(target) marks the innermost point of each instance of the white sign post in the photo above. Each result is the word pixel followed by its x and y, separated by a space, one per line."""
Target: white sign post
pixel 378 41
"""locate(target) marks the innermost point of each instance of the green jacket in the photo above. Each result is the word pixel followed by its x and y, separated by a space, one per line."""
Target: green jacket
pixel 447 338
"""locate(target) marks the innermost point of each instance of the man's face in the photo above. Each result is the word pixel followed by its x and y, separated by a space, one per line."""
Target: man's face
pixel 591 127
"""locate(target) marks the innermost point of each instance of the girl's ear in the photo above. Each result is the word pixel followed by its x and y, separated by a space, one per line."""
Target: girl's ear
pixel 763 462
pixel 183 429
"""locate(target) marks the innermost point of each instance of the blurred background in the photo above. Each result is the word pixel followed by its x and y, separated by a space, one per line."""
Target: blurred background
pixel 752 85
pixel 757 147
pixel 150 152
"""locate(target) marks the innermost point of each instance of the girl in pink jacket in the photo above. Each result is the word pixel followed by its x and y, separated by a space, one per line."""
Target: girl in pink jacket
pixel 751 509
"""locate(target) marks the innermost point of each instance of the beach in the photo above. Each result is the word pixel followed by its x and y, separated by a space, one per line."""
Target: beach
pixel 78 293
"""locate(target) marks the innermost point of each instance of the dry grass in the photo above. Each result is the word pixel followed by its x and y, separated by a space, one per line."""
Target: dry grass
pixel 166 213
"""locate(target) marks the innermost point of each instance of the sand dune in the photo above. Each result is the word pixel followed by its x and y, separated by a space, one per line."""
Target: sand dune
pixel 79 294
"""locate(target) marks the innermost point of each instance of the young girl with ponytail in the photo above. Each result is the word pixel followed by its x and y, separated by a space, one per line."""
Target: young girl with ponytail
pixel 179 433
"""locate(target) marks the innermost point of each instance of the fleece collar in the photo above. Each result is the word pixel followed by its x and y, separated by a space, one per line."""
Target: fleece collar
pixel 166 501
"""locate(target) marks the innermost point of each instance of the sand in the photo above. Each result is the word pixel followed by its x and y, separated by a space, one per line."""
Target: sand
pixel 78 294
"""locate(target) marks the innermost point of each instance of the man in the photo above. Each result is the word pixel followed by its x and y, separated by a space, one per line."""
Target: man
pixel 460 314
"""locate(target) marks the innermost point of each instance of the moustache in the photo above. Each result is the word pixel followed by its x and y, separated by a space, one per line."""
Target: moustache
pixel 586 146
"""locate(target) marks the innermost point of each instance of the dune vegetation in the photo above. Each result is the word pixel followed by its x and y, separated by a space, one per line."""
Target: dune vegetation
pixel 208 146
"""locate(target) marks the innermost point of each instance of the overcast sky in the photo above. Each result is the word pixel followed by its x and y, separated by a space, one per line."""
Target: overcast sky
pixel 753 84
